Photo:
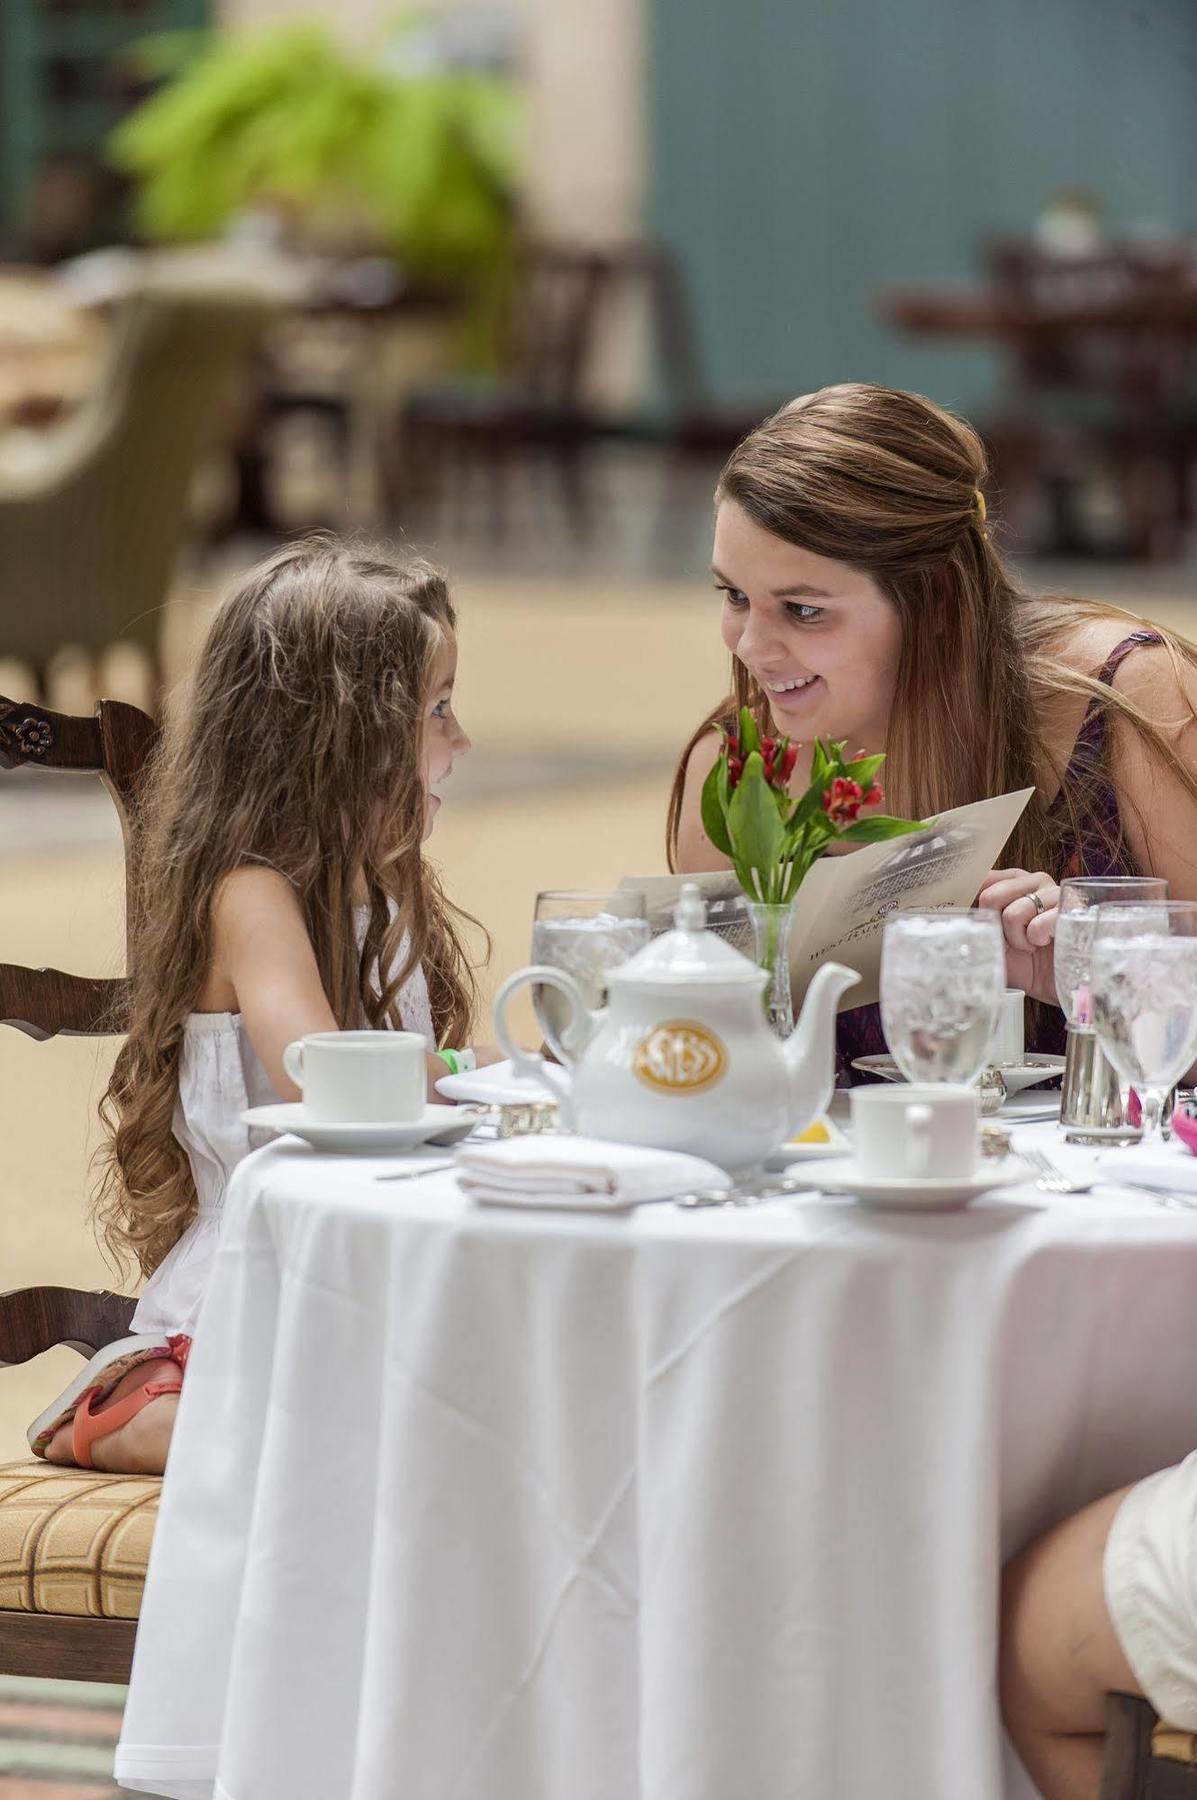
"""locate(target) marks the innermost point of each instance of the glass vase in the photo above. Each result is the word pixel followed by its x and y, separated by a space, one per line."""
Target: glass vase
pixel 771 936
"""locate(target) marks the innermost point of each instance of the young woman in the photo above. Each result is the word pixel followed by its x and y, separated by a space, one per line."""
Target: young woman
pixel 281 888
pixel 862 598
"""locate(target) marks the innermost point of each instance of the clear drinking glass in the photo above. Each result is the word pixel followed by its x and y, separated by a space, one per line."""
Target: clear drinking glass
pixel 1079 899
pixel 943 975
pixel 586 934
pixel 1143 984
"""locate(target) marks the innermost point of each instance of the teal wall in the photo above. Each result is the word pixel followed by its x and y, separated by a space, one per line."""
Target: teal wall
pixel 805 152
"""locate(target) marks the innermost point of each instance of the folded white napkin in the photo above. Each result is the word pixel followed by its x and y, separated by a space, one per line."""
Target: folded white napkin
pixel 583 1174
pixel 1162 1171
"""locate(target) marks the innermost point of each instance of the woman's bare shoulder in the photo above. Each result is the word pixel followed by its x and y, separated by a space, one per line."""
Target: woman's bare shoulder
pixel 1087 645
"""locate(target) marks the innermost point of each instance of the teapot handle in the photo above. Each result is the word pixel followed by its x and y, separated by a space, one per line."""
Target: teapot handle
pixel 535 1066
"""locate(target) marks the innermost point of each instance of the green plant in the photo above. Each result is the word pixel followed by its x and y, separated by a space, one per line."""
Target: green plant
pixel 772 839
pixel 286 116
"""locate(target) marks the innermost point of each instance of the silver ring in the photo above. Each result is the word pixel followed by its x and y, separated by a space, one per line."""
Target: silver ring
pixel 1038 902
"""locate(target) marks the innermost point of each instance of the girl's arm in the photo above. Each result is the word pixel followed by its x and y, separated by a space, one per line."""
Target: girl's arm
pixel 264 967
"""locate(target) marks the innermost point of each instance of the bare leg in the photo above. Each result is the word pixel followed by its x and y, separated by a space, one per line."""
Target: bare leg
pixel 140 1447
pixel 1059 1655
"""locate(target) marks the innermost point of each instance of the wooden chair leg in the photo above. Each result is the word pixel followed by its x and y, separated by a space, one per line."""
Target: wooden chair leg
pixel 1129 1724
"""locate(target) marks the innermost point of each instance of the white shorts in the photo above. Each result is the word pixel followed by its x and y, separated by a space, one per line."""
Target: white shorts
pixel 1150 1575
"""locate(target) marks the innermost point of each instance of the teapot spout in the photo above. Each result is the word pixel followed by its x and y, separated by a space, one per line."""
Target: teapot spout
pixel 810 1048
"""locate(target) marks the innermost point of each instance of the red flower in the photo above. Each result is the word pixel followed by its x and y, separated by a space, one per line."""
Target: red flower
pixel 842 801
pixel 735 768
pixel 787 764
pixel 874 797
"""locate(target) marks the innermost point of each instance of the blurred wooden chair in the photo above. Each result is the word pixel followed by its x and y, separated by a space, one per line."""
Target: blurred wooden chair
pixel 1100 376
pixel 94 511
pixel 560 299
pixel 1146 1758
pixel 450 430
pixel 73 1542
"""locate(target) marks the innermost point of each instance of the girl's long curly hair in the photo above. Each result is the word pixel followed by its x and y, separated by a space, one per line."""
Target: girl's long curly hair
pixel 300 745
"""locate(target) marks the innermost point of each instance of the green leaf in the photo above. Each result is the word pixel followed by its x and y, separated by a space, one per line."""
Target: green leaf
pixel 754 820
pixel 714 805
pixel 877 829
pixel 864 769
pixel 750 738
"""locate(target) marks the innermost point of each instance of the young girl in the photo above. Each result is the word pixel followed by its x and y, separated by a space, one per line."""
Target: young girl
pixel 279 868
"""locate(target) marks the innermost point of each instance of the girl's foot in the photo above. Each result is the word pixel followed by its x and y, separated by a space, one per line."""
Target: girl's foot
pixel 140 1446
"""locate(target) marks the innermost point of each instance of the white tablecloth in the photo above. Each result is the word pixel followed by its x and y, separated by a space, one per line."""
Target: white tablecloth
pixel 479 1505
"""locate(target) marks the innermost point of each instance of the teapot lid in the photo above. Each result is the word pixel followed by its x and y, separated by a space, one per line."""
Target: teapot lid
pixel 689 954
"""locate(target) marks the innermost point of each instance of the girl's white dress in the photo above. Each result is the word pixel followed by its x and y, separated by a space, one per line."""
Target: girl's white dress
pixel 220 1077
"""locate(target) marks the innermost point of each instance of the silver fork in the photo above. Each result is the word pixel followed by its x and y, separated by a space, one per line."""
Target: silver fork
pixel 1050 1179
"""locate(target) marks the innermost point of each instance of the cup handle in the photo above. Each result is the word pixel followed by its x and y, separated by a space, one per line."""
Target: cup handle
pixel 533 1065
pixel 293 1062
pixel 918 1140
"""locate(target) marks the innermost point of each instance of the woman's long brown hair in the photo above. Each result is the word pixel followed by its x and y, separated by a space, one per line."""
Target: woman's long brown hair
pixel 300 745
pixel 889 483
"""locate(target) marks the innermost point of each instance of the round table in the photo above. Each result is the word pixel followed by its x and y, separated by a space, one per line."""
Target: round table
pixel 478 1504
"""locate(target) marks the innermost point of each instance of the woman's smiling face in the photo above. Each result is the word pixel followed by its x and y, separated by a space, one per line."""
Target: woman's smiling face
pixel 819 636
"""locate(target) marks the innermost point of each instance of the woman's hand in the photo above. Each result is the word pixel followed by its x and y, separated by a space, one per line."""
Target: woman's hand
pixel 1028 926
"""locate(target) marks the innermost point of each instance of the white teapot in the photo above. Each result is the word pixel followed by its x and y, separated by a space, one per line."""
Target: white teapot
pixel 682 1057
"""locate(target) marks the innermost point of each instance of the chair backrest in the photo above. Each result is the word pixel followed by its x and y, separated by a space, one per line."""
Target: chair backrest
pixel 116 743
pixel 89 545
pixel 555 304
pixel 1135 361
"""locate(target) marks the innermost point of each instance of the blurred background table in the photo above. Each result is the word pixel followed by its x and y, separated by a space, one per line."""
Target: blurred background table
pixel 1099 369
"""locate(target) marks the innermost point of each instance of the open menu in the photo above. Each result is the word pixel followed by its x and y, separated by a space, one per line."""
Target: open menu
pixel 841 907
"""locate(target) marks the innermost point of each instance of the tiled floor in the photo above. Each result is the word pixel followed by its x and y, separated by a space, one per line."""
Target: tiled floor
pixel 57 1739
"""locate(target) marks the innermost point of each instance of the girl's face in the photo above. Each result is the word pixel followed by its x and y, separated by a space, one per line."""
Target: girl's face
pixel 819 637
pixel 444 740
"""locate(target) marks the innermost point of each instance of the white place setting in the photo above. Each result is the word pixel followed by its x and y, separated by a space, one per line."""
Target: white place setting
pixel 684 1455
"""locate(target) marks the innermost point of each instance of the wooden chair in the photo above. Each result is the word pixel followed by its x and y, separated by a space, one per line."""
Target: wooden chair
pixel 557 297
pixel 94 513
pixel 1146 1758
pixel 1100 382
pixel 53 1595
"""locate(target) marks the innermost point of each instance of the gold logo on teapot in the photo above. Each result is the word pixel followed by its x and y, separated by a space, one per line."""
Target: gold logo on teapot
pixel 680 1057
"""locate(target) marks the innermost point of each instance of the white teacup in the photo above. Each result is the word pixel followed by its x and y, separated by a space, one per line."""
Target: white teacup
pixel 1008 1043
pixel 908 1131
pixel 360 1077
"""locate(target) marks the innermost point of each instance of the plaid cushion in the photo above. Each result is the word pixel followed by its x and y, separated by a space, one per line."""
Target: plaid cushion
pixel 74 1540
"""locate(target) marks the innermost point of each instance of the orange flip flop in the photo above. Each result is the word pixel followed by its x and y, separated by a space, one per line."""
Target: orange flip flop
pixel 89 1425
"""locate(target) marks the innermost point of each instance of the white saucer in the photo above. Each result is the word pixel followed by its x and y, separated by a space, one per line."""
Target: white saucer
pixel 793 1152
pixel 922 1194
pixel 442 1124
pixel 498 1085
pixel 1016 1075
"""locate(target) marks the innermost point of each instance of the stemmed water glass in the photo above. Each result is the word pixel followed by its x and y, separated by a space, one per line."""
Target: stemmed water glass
pixel 587 934
pixel 943 975
pixel 1143 985
pixel 1079 900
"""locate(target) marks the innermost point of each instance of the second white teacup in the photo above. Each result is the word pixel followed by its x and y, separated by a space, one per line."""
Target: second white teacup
pixel 915 1130
pixel 360 1077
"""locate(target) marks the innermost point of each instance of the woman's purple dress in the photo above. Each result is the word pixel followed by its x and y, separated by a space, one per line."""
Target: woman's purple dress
pixel 1098 851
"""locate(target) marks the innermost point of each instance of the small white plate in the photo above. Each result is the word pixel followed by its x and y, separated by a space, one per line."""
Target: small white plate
pixel 921 1195
pixel 1016 1076
pixel 498 1085
pixel 442 1124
